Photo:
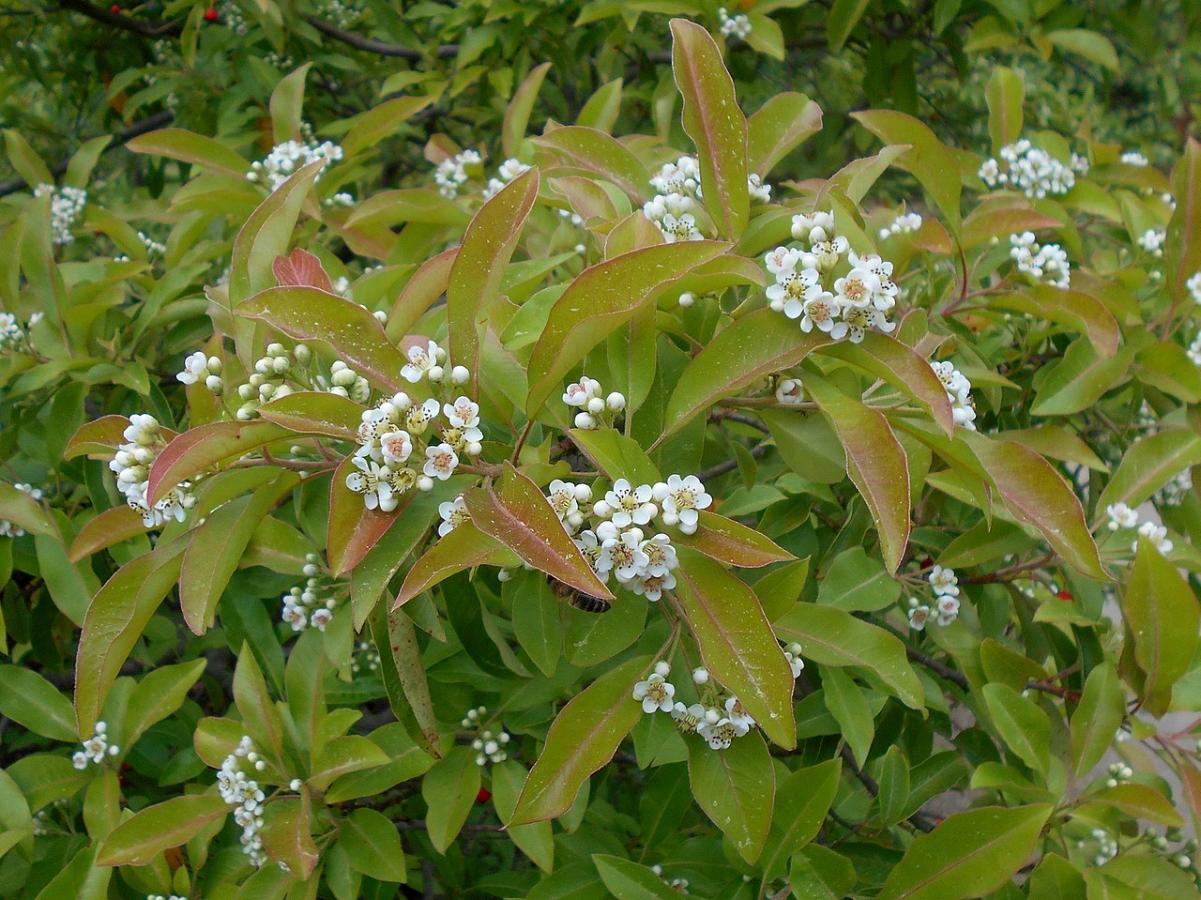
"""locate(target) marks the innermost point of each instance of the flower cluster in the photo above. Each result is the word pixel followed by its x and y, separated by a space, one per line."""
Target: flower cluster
pixel 1177 488
pixel 734 26
pixel 131 464
pixel 344 14
pixel 95 749
pixel 508 170
pixel 488 747
pixel 12 335
pixel 1107 846
pixel 66 205
pixel 238 789
pixel 903 224
pixel 165 897
pixel 451 173
pixel 1118 773
pixel 454 513
pixel 1123 518
pixel 1031 170
pixel 288 157
pixel 946 600
pixel 595 409
pixel 9 529
pixel 366 658
pixel 305 607
pixel 959 392
pixel 153 247
pixel 1046 262
pixel 201 369
pixel 388 433
pixel 1152 241
pixel 231 15
pixel 677 188
pixel 808 287
pixel 1194 287
pixel 1134 158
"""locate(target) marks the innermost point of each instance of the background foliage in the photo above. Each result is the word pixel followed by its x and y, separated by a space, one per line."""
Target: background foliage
pixel 1041 722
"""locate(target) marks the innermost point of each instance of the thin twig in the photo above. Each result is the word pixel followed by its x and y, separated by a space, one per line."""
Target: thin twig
pixel 380 48
pixel 123 22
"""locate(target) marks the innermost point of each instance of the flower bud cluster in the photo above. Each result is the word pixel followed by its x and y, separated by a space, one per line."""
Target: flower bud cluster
pixel 365 659
pixel 1118 773
pixel 1134 158
pixel 809 288
pixel 201 369
pixel 66 205
pixel 1031 170
pixel 242 791
pixel 312 605
pixel 12 335
pixel 231 15
pixel 596 409
pixel 908 223
pixel 489 747
pixel 153 247
pixel 95 748
pixel 508 170
pixel 945 585
pixel 290 156
pixel 1046 262
pixel 959 392
pixel 677 188
pixel 1107 846
pixel 131 464
pixel 735 26
pixel 452 173
pixel 10 529
pixel 1152 240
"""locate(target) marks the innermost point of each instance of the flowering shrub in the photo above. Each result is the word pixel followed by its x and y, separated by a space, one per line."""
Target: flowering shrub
pixel 602 515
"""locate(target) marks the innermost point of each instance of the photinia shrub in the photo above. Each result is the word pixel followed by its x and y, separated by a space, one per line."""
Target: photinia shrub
pixel 599 516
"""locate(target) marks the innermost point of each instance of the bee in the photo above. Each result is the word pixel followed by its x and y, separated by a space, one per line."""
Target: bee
pixel 581 601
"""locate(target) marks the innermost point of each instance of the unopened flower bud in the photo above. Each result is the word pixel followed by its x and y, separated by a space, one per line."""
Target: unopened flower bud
pixel 460 375
pixel 616 401
pixel 596 406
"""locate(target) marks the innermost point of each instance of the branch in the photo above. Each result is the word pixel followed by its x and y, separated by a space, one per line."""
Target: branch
pixel 125 23
pixel 150 123
pixel 371 45
pixel 722 467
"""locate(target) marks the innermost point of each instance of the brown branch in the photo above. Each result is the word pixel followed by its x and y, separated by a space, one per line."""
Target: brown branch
pixel 125 23
pixel 722 467
pixel 380 48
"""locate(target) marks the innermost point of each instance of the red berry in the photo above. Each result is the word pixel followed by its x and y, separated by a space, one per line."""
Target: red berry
pixel 1064 595
pixel 210 14
pixel 483 796
pixel 115 9
pixel 927 562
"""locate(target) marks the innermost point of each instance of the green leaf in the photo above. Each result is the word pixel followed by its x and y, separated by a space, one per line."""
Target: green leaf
pixel 517 514
pixel 753 347
pixel 22 510
pixel 216 548
pixel 731 542
pixel 894 785
pixel 1097 717
pixel 138 840
pixel 25 160
pixel 1004 94
pixel 479 268
pixel 352 332
pixel 287 834
pixel 801 804
pixel 712 119
pixel 778 127
pixel 187 146
pixel 857 582
pixel 535 840
pixel 833 637
pixel 737 643
pixel 1182 250
pixel 592 151
pixel 260 716
pixel 342 756
pixel 535 613
pixel 848 705
pixel 970 854
pixel 120 523
pixel 615 454
pixel 603 107
pixel 449 791
pixel 381 121
pixel 1162 615
pixel 114 623
pixel 582 739
pixel 517 113
pixel 1036 495
pixel 1167 366
pixel 1092 45
pixel 1077 380
pixel 735 788
pixel 372 845
pixel 204 447
pixel 602 298
pixel 159 694
pixel 1023 726
pixel 844 16
pixel 929 160
pixel 1139 801
pixel 1075 309
pixel 34 703
pixel 1148 465
pixel 315 412
pixel 876 463
pixel 403 672
pixel 464 548
pixel 285 105
pixel 628 880
pixel 423 205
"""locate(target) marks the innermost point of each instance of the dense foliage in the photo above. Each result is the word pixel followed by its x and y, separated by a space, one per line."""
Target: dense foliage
pixel 775 482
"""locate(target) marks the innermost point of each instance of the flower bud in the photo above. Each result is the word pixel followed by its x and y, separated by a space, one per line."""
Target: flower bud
pixel 663 668
pixel 281 365
pixel 460 375
pixel 584 421
pixel 214 384
pixel 435 374
pixel 214 365
pixel 616 401
pixel 276 349
pixel 425 483
pixel 687 299
pixel 596 406
pixel 700 675
pixel 302 354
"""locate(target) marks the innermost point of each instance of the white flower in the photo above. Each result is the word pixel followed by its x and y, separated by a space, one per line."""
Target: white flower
pixel 1048 263
pixel 682 499
pixel 1193 285
pixel 563 500
pixel 321 618
pixel 421 360
pixel 918 616
pixel 1121 516
pixel 736 26
pixel 757 189
pixel 782 260
pixel 195 368
pixel 959 392
pixel 628 505
pixel 682 177
pixel 817 226
pixel 1134 158
pixel 738 716
pixel 373 482
pixel 903 224
pixel 1157 535
pixel 792 653
pixel 1152 241
pixel 440 462
pixel 660 555
pixel 655 694
pixel 688 718
pixel 289 157
pixel 944 581
pixel 700 675
pixel 719 734
pixel 581 392
pixel 454 513
pixel 450 174
pixel 856 288
pixel 790 392
pixel 464 413
pixel 623 555
pixel 66 205
pixel 1031 170
pixel 396 446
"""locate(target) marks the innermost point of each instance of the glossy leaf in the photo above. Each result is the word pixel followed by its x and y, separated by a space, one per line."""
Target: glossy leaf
pixel 187 146
pixel 735 788
pixel 731 542
pixel 34 703
pixel 138 840
pixel 449 790
pixel 204 447
pixel 464 548
pixel 778 127
pixel 315 412
pixel 591 150
pixel 1149 464
pixel 517 114
pixel 931 162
